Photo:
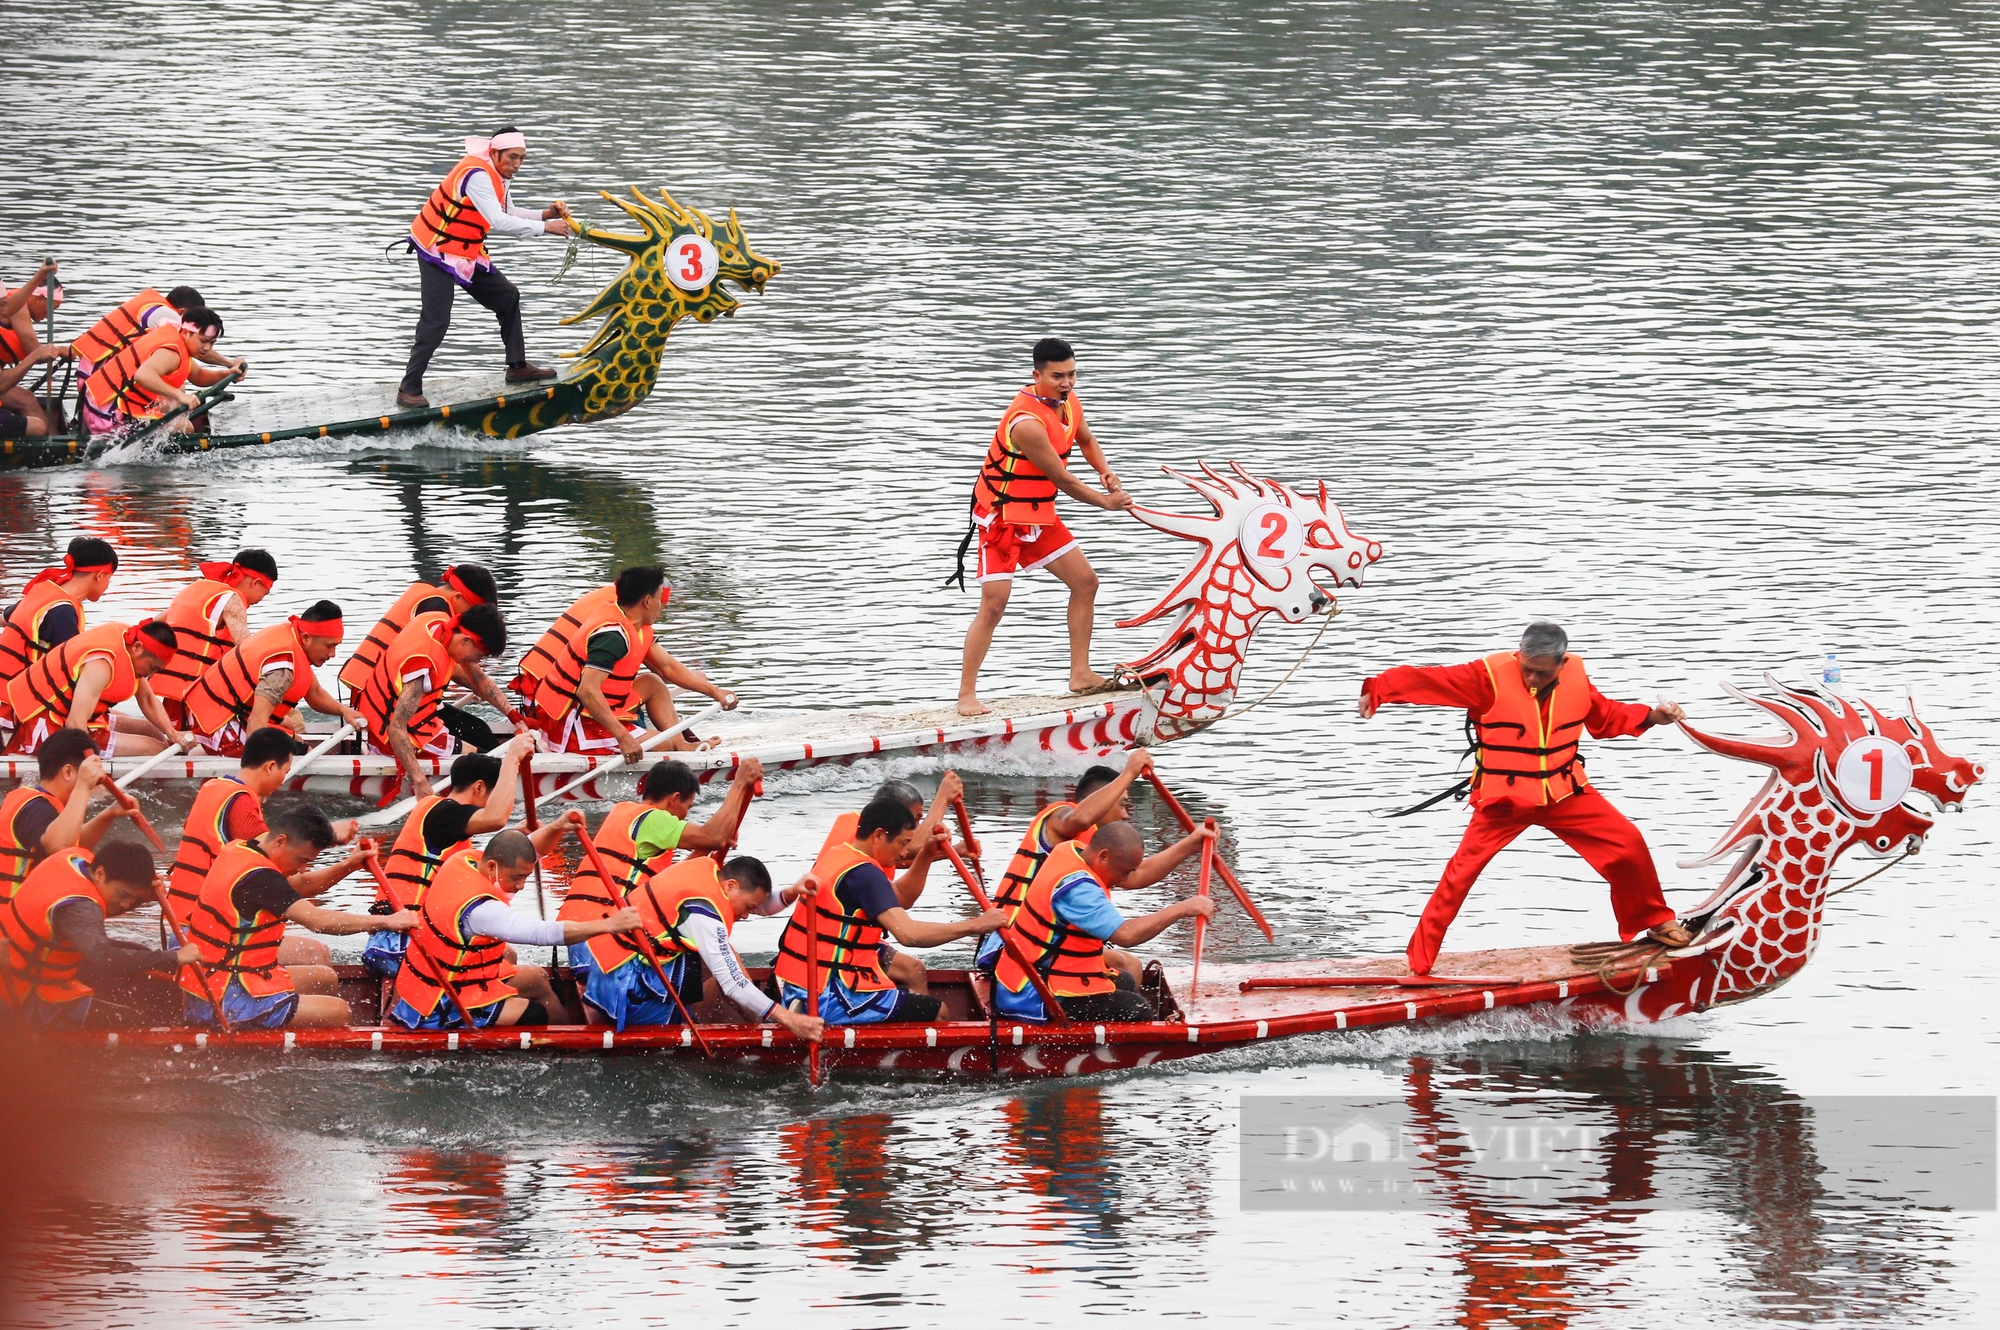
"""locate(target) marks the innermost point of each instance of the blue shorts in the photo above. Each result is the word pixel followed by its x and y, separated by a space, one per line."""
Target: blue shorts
pixel 384 953
pixel 838 1006
pixel 444 1016
pixel 630 994
pixel 244 1012
pixel 41 1015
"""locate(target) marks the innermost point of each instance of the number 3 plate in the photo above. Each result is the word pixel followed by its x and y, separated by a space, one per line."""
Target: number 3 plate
pixel 1272 537
pixel 691 263
pixel 1873 775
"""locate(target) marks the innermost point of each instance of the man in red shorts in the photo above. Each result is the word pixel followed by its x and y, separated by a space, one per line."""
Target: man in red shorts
pixel 1014 514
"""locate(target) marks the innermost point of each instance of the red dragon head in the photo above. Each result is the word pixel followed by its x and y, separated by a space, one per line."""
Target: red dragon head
pixel 1266 550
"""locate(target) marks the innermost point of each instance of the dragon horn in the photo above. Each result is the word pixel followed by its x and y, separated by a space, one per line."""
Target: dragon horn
pixel 1262 489
pixel 1749 750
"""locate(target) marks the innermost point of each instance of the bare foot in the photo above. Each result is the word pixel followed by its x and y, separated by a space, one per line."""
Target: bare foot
pixel 972 706
pixel 1087 681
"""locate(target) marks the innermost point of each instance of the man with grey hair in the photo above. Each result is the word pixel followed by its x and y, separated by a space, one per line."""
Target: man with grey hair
pixel 1527 710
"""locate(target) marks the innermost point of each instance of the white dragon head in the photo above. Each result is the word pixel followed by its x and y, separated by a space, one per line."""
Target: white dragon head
pixel 1266 550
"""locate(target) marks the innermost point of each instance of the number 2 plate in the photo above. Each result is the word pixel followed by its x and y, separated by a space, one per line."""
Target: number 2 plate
pixel 1272 537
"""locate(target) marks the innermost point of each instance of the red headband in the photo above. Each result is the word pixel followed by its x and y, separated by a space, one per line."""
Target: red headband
pixel 451 580
pixel 323 628
pixel 232 573
pixel 68 570
pixel 137 637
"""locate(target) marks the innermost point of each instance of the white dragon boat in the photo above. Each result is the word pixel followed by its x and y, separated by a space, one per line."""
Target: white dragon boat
pixel 1266 549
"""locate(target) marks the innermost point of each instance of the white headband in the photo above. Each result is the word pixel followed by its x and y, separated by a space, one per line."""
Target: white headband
pixel 498 143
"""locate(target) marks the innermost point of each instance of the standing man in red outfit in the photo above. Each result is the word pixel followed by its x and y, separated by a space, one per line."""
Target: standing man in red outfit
pixel 1528 710
pixel 1014 515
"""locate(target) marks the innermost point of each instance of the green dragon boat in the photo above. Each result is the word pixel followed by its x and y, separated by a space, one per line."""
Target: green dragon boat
pixel 676 268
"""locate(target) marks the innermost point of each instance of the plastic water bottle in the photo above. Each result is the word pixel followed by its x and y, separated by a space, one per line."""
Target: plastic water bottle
pixel 1830 674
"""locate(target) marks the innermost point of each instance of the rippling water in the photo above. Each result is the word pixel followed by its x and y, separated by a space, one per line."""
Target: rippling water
pixel 1671 322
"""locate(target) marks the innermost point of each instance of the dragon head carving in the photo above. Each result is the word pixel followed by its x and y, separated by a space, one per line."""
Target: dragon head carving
pixel 1266 549
pixel 676 269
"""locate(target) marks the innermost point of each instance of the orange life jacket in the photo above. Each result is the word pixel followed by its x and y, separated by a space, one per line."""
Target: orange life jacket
pixel 12 348
pixel 1010 487
pixel 47 686
pixel 354 674
pixel 663 898
pixel 1523 758
pixel 449 223
pixel 422 643
pixel 203 835
pixel 21 643
pixel 846 828
pixel 410 866
pixel 115 388
pixel 17 857
pixel 200 636
pixel 553 668
pixel 120 328
pixel 227 689
pixel 589 899
pixel 1071 961
pixel 844 942
pixel 440 948
pixel 235 947
pixel 1027 860
pixel 35 966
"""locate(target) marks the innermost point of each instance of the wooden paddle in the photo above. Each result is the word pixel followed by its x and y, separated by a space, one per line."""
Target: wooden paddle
pixel 638 940
pixel 388 890
pixel 1201 924
pixel 1007 942
pixel 1221 866
pixel 131 805
pixel 645 746
pixel 171 750
pixel 201 972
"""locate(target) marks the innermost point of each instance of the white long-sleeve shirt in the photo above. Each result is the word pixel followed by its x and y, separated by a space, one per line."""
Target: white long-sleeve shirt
pixel 492 919
pixel 711 940
pixel 508 221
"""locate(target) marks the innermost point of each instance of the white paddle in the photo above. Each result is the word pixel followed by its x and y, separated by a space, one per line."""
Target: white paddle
pixel 659 738
pixel 171 750
pixel 325 747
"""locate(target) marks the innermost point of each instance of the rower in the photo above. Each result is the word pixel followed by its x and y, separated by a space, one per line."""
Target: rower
pixel 1014 515
pixel 688 910
pixel 51 608
pixel 231 808
pixel 1064 921
pixel 54 928
pixel 37 821
pixel 926 848
pixel 587 677
pixel 143 382
pixel 20 350
pixel 637 837
pixel 855 905
pixel 79 682
pixel 400 700
pixel 261 681
pixel 460 587
pixel 480 801
pixel 1101 798
pixel 134 319
pixel 211 615
pixel 448 236
pixel 1528 709
pixel 466 926
pixel 238 925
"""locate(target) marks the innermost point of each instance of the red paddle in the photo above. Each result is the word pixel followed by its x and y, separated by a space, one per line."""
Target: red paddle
pixel 1201 924
pixel 388 890
pixel 131 805
pixel 1382 981
pixel 638 939
pixel 1013 948
pixel 201 972
pixel 721 853
pixel 813 1074
pixel 965 834
pixel 1228 876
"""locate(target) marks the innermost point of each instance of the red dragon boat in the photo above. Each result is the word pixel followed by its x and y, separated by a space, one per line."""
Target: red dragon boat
pixel 1841 779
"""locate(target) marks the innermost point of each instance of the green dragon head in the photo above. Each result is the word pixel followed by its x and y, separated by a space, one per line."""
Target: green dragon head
pixel 676 271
